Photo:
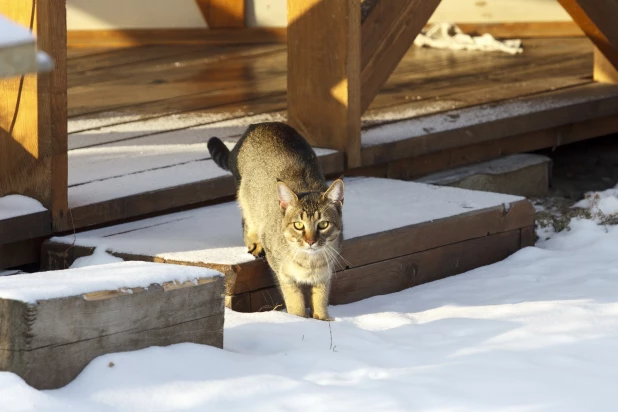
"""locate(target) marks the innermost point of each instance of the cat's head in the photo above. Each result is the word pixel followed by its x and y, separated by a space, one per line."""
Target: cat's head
pixel 312 222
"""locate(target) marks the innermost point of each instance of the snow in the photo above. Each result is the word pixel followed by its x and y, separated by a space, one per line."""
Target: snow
pixel 213 234
pixel 605 202
pixel 18 205
pixel 31 287
pixel 13 34
pixel 535 332
pixel 98 257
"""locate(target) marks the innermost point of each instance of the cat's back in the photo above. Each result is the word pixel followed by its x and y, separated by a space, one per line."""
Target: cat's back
pixel 276 150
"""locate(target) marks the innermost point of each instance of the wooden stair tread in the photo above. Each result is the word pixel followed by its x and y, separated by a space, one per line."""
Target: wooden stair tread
pixel 384 220
pixel 22 218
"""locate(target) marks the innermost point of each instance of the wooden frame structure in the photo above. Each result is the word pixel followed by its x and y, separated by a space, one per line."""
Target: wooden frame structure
pixel 340 54
pixel 343 80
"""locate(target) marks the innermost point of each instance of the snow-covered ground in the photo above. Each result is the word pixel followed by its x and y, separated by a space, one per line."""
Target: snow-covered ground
pixel 536 332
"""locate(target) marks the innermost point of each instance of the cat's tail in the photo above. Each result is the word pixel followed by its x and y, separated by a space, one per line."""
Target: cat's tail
pixel 219 153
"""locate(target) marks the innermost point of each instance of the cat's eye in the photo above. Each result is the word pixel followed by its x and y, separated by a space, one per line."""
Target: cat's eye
pixel 298 225
pixel 323 225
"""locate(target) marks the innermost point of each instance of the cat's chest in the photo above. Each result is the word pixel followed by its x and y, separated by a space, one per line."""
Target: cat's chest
pixel 306 275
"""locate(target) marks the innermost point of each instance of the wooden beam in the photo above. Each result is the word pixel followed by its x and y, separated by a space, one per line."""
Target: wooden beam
pixel 324 73
pixel 597 18
pixel 387 33
pixel 604 72
pixel 223 14
pixel 33 114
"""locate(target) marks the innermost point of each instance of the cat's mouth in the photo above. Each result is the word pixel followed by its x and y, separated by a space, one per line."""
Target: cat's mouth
pixel 311 250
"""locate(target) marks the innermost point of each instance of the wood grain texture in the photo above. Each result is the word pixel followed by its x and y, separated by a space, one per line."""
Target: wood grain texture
pixel 524 30
pixel 142 37
pixel 222 14
pixel 597 18
pixel 387 33
pixel 33 116
pixel 324 74
pixel 50 342
pixel 604 71
pixel 394 275
pixel 20 253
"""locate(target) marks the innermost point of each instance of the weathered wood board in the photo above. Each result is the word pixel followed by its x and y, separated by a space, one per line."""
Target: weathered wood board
pixel 386 222
pixel 53 324
pixel 21 219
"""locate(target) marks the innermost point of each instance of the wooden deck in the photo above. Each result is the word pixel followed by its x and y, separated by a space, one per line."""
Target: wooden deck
pixel 397 235
pixel 139 117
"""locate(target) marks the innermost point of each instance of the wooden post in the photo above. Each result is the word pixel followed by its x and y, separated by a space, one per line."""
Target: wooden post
pixel 597 18
pixel 33 113
pixel 388 31
pixel 324 73
pixel 223 14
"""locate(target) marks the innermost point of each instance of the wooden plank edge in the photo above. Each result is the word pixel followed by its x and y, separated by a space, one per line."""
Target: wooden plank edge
pixel 223 13
pixel 480 132
pixel 25 227
pixel 143 37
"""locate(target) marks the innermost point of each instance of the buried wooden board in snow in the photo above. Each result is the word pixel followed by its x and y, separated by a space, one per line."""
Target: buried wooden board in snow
pixel 384 220
pixel 56 323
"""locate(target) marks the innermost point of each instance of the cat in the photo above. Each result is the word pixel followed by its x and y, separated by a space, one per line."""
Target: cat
pixel 289 213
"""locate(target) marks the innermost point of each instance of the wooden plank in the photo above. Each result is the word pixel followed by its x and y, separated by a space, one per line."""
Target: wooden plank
pixel 20 253
pixel 597 18
pixel 48 343
pixel 413 168
pixel 532 29
pixel 394 275
pixel 33 135
pixel 222 14
pixel 24 227
pixel 604 72
pixel 387 33
pixel 205 74
pixel 324 74
pixel 91 208
pixel 143 37
pixel 494 121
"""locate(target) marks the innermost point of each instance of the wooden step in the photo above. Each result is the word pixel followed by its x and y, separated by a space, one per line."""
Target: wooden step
pixel 397 234
pixel 524 174
pixel 22 218
pixel 53 324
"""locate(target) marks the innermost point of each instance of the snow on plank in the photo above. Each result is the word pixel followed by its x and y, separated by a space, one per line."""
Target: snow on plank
pixel 22 218
pixel 397 234
pixel 116 180
pixel 53 324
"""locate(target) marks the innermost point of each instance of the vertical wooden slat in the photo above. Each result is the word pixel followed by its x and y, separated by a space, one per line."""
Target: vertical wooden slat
pixel 324 73
pixel 223 14
pixel 597 18
pixel 33 120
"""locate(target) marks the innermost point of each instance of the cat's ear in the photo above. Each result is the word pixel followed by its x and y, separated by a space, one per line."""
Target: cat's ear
pixel 286 195
pixel 335 192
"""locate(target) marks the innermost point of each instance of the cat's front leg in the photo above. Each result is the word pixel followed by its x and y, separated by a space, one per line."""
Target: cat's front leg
pixel 319 301
pixel 293 297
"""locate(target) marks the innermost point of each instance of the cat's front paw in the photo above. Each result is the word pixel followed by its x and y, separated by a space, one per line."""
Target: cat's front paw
pixel 323 317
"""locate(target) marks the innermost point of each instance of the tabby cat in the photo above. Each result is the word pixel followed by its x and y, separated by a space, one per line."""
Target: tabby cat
pixel 290 214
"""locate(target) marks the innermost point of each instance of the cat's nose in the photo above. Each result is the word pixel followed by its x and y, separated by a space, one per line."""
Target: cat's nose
pixel 310 241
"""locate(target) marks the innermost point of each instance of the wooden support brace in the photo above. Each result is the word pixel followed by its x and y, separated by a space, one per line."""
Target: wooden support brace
pixel 33 113
pixel 388 31
pixel 597 18
pixel 223 14
pixel 324 73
